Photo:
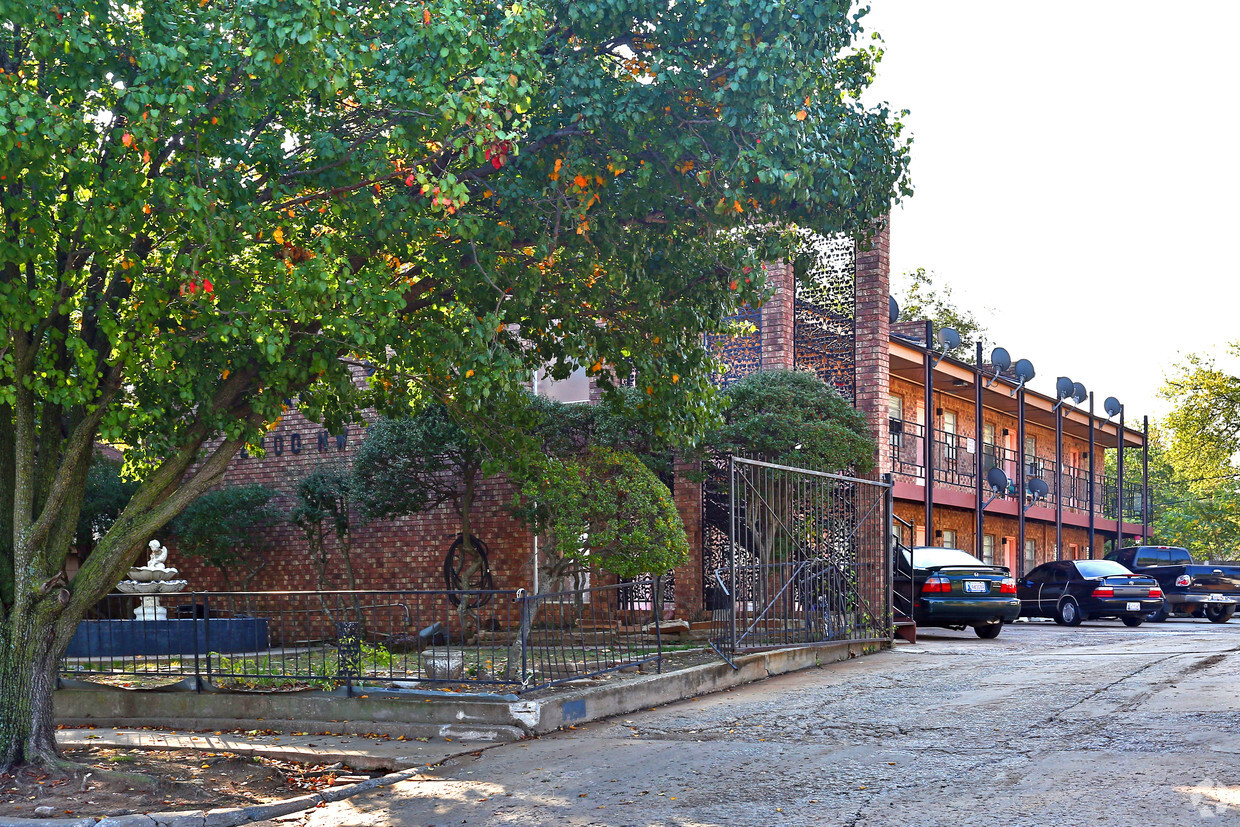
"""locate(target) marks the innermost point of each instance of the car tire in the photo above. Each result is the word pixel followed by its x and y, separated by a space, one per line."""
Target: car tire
pixel 988 631
pixel 1159 616
pixel 1068 613
pixel 1133 622
pixel 1219 614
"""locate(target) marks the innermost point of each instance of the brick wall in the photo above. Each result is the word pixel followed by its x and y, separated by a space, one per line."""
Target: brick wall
pixel 405 553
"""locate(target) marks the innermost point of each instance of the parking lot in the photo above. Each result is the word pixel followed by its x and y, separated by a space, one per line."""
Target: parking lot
pixel 1099 724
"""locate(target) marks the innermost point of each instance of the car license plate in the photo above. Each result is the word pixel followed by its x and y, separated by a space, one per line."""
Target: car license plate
pixel 1133 607
pixel 1214 598
pixel 976 586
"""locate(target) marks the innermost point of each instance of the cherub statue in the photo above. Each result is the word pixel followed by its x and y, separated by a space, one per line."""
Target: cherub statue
pixel 159 553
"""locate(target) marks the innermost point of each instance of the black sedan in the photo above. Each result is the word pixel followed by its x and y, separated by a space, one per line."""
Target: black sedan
pixel 954 589
pixel 1074 590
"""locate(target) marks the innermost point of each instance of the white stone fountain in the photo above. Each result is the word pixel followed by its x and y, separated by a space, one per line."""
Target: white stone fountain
pixel 151 580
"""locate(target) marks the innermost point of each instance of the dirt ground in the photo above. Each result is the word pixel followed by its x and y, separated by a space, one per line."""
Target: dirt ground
pixel 124 781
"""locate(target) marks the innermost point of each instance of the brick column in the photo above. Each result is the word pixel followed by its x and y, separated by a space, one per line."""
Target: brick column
pixel 777 318
pixel 873 362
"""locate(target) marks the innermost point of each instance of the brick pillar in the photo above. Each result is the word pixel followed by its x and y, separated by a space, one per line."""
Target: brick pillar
pixel 872 286
pixel 777 318
pixel 687 495
pixel 873 363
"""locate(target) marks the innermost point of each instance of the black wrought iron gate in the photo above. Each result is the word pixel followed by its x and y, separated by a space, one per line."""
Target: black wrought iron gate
pixel 805 557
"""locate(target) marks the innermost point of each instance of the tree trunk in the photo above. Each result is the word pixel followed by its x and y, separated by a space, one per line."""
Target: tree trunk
pixel 31 640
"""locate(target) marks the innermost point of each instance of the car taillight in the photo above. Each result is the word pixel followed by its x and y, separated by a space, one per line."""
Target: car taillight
pixel 1007 585
pixel 936 585
pixel 1155 591
pixel 1184 580
pixel 1104 591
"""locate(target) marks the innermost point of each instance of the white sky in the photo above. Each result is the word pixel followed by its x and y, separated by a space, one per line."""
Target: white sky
pixel 1076 169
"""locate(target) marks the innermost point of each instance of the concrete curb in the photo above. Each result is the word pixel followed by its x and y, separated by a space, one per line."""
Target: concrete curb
pixel 535 716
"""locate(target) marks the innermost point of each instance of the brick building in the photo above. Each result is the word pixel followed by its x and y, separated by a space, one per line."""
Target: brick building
pixel 838 326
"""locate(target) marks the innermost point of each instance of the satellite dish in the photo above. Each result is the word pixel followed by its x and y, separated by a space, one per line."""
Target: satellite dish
pixel 893 309
pixel 1001 360
pixel 997 480
pixel 1064 387
pixel 949 338
pixel 1038 488
pixel 1112 406
pixel 1079 394
pixel 1024 372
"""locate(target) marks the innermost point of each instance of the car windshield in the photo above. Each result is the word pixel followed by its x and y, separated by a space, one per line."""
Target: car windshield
pixel 925 557
pixel 1100 568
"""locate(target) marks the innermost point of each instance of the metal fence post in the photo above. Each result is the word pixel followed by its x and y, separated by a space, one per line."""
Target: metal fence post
pixel 889 549
pixel 732 551
pixel 193 614
pixel 658 624
pixel 206 637
pixel 526 622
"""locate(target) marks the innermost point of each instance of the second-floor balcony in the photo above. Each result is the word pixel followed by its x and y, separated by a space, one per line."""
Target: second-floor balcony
pixel 954 457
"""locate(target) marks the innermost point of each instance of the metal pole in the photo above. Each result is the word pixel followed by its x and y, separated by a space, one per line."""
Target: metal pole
pixel 980 517
pixel 1145 482
pixel 888 524
pixel 1059 481
pixel 1091 481
pixel 732 548
pixel 928 435
pixel 1020 482
pixel 1119 482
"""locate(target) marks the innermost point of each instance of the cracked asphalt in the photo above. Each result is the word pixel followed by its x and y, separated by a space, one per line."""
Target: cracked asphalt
pixel 1045 725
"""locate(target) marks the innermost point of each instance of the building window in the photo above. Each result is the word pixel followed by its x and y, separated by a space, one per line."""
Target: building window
pixel 988 549
pixel 895 412
pixel 895 407
pixel 1031 555
pixel 574 388
pixel 1033 465
pixel 990 454
pixel 949 436
pixel 948 539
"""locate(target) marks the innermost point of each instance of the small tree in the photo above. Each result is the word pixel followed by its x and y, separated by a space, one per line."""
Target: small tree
pixel 410 465
pixel 323 504
pixel 227 528
pixel 606 510
pixel 793 418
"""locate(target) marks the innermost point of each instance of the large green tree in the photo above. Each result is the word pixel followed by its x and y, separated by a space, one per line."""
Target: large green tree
pixel 210 209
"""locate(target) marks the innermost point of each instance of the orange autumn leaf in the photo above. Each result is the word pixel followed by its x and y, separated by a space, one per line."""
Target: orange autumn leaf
pixel 581 181
pixel 127 139
pixel 802 115
pixel 426 17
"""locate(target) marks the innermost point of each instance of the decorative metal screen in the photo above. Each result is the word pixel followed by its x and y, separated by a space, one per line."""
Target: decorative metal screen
pixel 825 313
pixel 742 353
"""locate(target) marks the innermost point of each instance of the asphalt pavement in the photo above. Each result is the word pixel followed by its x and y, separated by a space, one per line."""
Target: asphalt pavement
pixel 1045 725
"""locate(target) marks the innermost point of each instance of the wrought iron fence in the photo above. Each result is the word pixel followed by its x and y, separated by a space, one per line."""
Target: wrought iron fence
pixel 907 448
pixel 954 463
pixel 396 639
pixel 808 559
